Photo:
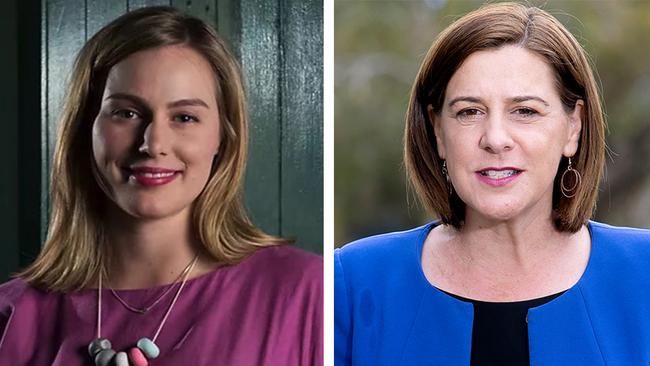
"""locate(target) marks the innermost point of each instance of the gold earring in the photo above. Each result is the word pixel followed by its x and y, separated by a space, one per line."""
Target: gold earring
pixel 446 174
pixel 573 190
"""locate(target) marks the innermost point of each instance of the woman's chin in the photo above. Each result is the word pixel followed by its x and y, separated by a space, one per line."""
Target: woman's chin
pixel 149 215
pixel 506 207
pixel 494 213
pixel 150 210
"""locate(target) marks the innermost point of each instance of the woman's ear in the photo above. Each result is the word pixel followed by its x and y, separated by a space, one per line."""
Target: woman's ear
pixel 575 127
pixel 437 129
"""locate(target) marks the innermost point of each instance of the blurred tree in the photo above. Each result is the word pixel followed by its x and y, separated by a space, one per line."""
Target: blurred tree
pixel 378 48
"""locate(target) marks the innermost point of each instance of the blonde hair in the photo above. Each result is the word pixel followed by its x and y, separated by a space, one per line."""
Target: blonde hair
pixel 75 247
pixel 494 26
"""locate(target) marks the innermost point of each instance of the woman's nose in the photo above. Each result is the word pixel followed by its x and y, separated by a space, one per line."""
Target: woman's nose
pixel 496 137
pixel 156 137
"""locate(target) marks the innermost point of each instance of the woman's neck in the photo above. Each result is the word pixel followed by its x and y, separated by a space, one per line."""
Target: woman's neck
pixel 149 253
pixel 516 243
pixel 505 261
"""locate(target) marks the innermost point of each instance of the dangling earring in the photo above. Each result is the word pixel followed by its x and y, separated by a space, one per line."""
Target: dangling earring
pixel 567 191
pixel 446 174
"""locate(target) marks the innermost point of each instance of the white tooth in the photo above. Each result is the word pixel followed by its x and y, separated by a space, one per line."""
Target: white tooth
pixel 157 175
pixel 499 174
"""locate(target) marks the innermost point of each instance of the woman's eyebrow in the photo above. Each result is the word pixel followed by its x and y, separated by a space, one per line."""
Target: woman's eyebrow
pixel 524 98
pixel 128 97
pixel 188 102
pixel 464 99
pixel 516 99
pixel 178 103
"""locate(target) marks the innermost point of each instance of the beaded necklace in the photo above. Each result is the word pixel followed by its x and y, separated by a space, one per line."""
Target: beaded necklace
pixel 101 349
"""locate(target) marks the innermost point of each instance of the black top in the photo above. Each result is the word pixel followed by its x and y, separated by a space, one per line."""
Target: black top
pixel 500 331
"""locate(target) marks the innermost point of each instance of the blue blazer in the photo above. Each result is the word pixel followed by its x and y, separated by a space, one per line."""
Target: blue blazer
pixel 387 313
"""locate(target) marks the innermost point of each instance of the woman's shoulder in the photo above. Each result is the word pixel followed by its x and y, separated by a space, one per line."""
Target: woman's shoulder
pixel 16 291
pixel 285 264
pixel 384 247
pixel 619 230
pixel 11 290
pixel 622 249
pixel 617 276
pixel 20 305
pixel 282 256
pixel 379 260
pixel 620 238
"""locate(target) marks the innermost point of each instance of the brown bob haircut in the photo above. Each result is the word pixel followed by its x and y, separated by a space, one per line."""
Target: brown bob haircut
pixel 494 26
pixel 76 250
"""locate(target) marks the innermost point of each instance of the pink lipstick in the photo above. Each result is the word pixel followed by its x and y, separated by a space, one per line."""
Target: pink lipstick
pixel 152 176
pixel 498 177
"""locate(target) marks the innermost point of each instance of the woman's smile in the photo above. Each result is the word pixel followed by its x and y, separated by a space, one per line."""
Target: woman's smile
pixel 498 177
pixel 148 176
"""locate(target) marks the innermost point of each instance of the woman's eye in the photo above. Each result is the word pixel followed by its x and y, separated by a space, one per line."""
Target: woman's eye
pixel 185 118
pixel 125 114
pixel 525 112
pixel 469 114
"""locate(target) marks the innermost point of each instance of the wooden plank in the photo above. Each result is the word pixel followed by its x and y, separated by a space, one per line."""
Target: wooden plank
pixel 64 38
pixel 202 9
pixel 229 24
pixel 302 122
pixel 135 4
pixel 259 57
pixel 101 12
pixel 44 201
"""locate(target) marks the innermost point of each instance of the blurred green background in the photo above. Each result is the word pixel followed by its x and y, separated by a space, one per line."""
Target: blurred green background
pixel 378 48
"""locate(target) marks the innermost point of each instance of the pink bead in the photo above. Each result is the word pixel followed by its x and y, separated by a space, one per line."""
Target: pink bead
pixel 137 358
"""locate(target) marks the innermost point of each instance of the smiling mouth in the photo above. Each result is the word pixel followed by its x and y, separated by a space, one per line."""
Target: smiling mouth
pixel 153 175
pixel 499 174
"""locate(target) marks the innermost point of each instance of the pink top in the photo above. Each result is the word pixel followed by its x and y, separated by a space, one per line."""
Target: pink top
pixel 267 310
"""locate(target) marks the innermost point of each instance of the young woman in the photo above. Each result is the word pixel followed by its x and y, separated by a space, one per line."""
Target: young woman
pixel 150 257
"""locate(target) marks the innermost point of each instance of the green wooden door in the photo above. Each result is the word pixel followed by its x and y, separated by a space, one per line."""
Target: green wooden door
pixel 9 258
pixel 279 44
pixel 20 102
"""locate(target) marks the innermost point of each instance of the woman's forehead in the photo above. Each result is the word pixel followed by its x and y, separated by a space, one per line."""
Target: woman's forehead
pixel 504 73
pixel 163 74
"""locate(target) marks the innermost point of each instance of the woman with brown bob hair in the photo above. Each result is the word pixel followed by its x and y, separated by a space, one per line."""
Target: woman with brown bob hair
pixel 150 254
pixel 504 142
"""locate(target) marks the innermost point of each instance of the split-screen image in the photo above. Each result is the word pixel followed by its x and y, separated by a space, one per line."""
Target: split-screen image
pixel 308 182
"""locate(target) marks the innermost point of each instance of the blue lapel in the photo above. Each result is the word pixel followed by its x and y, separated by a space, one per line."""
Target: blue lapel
pixel 441 333
pixel 561 333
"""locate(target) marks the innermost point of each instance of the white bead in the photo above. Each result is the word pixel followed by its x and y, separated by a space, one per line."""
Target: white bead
pixel 121 359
